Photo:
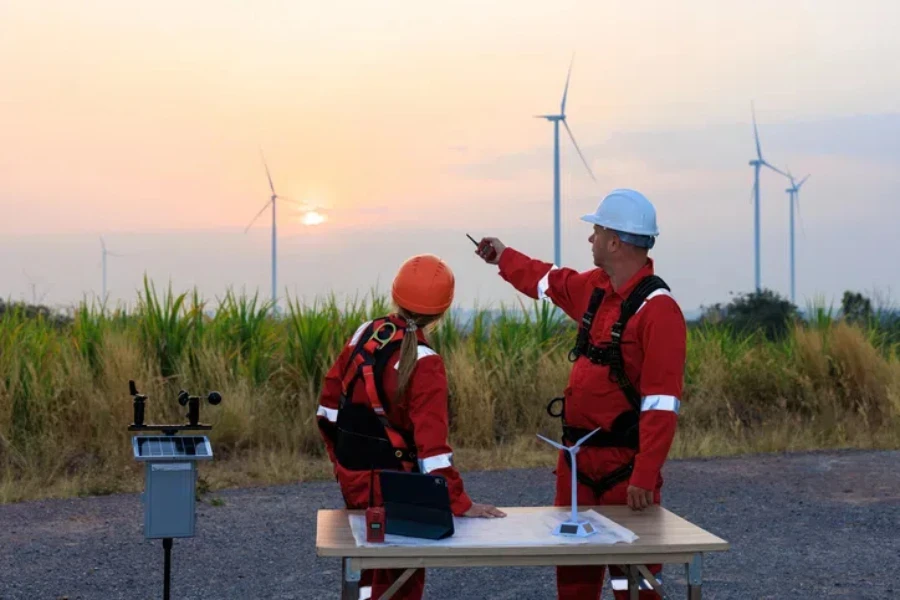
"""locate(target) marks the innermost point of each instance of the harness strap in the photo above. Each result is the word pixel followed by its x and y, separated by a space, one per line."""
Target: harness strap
pixel 367 362
pixel 605 483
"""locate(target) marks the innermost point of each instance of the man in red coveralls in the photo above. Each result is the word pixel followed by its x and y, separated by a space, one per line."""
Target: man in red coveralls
pixel 628 370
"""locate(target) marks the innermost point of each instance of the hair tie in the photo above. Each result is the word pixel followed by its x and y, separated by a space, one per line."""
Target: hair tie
pixel 411 325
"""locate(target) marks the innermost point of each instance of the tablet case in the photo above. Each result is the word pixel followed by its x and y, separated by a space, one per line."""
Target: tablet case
pixel 416 505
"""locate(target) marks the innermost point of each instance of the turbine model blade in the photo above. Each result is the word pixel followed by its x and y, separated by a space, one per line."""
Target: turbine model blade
pixel 562 106
pixel 577 149
pixel 579 442
pixel 756 133
pixel 269 176
pixel 802 181
pixel 261 211
pixel 552 443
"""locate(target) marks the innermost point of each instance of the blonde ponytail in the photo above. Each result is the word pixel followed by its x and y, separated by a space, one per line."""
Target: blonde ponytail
pixel 409 348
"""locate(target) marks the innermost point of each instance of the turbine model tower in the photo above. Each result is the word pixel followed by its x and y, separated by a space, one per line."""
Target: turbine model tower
pixel 757 164
pixel 556 120
pixel 794 196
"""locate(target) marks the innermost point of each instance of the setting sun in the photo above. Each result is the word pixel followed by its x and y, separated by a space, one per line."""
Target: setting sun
pixel 313 218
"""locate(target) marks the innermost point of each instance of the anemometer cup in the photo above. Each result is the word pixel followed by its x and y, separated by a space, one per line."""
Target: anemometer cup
pixel 215 398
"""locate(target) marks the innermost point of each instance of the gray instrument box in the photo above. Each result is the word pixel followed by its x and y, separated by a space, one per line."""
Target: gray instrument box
pixel 171 477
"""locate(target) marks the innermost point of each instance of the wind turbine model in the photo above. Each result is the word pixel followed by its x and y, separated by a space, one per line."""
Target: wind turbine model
pixel 794 195
pixel 556 120
pixel 273 201
pixel 574 526
pixel 757 164
pixel 105 253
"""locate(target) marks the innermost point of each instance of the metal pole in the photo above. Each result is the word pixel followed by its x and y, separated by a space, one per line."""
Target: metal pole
pixel 167 569
pixel 556 200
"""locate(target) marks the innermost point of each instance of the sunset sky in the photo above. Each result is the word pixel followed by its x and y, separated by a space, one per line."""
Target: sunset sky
pixel 412 123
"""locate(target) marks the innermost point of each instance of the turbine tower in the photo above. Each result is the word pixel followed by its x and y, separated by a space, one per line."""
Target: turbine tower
pixel 757 164
pixel 105 253
pixel 556 120
pixel 794 196
pixel 273 199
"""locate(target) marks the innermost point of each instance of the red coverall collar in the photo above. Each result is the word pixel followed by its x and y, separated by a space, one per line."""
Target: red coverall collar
pixel 606 283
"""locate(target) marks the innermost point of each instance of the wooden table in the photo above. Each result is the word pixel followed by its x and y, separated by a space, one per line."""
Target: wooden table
pixel 664 537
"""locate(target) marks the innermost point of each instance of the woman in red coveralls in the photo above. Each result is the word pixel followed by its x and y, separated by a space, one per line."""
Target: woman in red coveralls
pixel 388 385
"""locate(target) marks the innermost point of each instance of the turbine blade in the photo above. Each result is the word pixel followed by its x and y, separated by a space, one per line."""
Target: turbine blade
pixel 261 211
pixel 577 149
pixel 303 205
pixel 552 443
pixel 102 243
pixel 756 132
pixel 752 190
pixel 269 176
pixel 776 169
pixel 562 107
pixel 802 181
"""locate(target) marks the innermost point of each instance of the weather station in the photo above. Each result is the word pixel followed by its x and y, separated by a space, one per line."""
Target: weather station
pixel 170 472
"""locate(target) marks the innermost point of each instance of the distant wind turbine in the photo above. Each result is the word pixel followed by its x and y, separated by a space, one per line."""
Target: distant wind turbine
pixel 556 120
pixel 794 195
pixel 105 253
pixel 757 164
pixel 273 201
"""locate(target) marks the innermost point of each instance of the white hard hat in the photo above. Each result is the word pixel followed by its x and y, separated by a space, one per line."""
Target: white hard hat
pixel 627 212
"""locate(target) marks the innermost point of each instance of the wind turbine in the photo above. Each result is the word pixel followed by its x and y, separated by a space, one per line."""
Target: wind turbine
pixel 757 164
pixel 273 201
pixel 794 195
pixel 105 253
pixel 556 120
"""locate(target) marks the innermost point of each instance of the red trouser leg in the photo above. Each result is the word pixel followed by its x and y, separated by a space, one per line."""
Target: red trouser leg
pixel 585 582
pixel 411 590
pixel 575 583
pixel 375 582
pixel 618 577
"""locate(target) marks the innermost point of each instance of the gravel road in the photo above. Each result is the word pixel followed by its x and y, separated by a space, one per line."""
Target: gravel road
pixel 817 525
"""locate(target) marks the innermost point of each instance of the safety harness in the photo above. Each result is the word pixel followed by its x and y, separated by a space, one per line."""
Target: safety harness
pixel 363 437
pixel 624 432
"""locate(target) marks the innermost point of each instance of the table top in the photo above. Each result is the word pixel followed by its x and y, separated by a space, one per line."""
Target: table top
pixel 659 531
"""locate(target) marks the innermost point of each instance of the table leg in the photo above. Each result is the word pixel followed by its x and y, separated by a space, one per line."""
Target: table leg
pixel 395 587
pixel 634 582
pixel 695 577
pixel 349 581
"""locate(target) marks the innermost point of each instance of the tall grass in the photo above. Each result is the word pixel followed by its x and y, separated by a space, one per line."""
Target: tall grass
pixel 64 407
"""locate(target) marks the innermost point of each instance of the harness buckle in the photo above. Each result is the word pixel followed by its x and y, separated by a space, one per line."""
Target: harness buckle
pixel 561 400
pixel 382 342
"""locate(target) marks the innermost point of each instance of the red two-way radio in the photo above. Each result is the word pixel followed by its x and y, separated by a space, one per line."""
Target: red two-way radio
pixel 375 518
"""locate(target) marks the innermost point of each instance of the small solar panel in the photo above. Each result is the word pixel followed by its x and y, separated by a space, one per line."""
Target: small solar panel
pixel 171 447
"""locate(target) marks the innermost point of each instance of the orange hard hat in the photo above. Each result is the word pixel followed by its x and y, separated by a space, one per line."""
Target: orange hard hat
pixel 424 285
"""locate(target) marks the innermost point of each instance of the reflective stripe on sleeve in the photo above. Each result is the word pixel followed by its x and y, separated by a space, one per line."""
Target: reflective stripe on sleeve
pixel 441 461
pixel 670 403
pixel 328 413
pixel 358 333
pixel 544 284
pixel 422 353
